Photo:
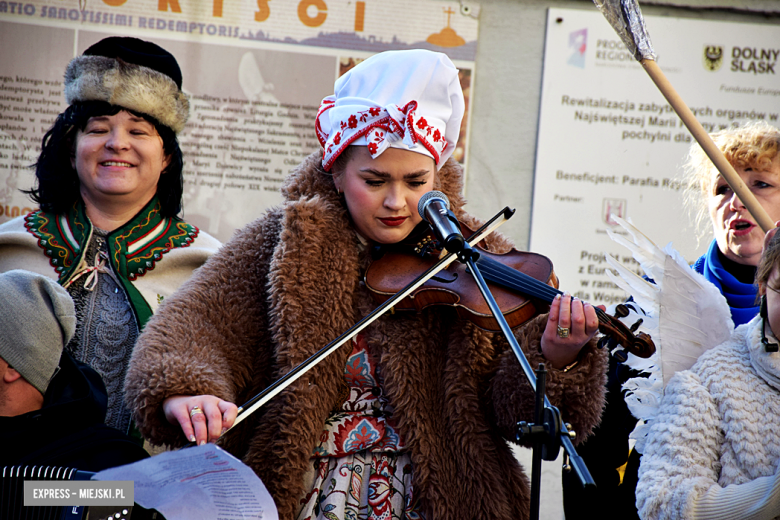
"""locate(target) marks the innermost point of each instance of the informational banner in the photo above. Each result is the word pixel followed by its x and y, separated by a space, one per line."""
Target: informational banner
pixel 609 143
pixel 255 71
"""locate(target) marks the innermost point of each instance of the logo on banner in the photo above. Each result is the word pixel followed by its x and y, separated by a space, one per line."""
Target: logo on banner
pixel 578 41
pixel 713 57
pixel 611 207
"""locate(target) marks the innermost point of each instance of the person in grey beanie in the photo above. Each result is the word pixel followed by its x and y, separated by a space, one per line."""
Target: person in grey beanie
pixel 52 407
pixel 37 319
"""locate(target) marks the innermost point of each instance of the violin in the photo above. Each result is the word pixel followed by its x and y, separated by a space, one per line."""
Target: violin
pixel 522 283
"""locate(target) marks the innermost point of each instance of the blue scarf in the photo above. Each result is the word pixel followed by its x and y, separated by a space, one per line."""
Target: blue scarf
pixel 741 297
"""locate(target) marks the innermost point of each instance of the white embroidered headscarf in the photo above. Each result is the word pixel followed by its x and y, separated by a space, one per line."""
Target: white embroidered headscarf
pixel 403 99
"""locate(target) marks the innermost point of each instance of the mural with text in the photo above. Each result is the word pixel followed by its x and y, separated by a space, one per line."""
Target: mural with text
pixel 255 71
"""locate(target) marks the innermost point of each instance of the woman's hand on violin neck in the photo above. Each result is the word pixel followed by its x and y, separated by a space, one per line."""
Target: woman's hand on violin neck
pixel 202 418
pixel 571 323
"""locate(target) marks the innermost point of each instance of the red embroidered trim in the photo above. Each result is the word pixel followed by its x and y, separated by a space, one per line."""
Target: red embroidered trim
pixel 424 136
pixel 184 239
pixel 150 244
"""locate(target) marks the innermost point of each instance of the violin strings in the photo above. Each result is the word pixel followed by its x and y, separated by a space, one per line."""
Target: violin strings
pixel 517 280
pixel 528 285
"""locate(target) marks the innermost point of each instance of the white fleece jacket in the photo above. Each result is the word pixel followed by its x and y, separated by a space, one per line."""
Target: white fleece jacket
pixel 713 451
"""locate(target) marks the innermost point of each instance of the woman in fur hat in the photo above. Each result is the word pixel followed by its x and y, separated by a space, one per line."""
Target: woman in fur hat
pixel 109 185
pixel 411 420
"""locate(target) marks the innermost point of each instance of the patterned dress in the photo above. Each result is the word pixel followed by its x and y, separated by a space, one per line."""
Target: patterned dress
pixel 360 469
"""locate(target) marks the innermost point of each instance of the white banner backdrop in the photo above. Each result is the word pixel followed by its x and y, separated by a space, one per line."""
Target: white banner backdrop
pixel 609 142
pixel 256 72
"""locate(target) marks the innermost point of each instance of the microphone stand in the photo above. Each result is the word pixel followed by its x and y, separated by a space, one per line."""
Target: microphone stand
pixel 548 432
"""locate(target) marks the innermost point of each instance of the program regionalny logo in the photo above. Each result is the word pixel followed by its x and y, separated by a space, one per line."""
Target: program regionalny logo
pixel 578 42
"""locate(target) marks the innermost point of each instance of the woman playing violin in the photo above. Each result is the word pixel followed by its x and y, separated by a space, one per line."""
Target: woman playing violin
pixel 411 418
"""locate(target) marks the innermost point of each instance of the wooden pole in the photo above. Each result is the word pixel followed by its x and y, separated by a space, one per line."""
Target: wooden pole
pixel 709 147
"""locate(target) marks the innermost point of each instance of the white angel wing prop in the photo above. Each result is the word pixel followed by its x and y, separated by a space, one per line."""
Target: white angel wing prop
pixel 683 313
pixel 692 314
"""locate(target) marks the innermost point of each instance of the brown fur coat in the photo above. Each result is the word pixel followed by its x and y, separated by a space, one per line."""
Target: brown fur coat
pixel 289 283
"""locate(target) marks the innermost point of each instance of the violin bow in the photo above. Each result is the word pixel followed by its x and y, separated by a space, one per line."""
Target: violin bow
pixel 283 382
pixel 626 18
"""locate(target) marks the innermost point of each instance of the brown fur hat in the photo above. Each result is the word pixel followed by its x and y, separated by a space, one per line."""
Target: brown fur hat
pixel 133 74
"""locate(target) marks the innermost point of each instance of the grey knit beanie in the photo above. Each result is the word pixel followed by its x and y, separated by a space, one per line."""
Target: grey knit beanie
pixel 37 319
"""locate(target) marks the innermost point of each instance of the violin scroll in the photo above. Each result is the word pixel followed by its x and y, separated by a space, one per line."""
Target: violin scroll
pixel 616 332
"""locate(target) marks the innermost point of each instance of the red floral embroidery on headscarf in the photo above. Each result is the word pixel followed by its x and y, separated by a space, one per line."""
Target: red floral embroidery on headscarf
pixel 375 124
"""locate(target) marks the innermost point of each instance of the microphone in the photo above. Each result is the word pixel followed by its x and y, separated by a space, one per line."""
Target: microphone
pixel 434 208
